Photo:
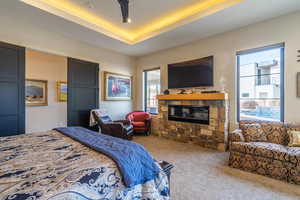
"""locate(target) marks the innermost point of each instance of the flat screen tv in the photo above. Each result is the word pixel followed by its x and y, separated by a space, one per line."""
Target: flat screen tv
pixel 194 73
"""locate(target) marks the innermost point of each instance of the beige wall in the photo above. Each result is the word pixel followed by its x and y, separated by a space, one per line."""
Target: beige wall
pixel 22 32
pixel 224 47
pixel 52 68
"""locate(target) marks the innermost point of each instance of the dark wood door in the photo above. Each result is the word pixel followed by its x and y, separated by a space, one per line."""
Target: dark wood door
pixel 83 91
pixel 12 90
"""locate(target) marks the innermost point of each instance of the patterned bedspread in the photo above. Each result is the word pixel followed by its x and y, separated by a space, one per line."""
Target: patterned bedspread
pixel 55 167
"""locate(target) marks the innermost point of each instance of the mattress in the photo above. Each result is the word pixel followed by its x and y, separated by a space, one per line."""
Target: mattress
pixel 49 165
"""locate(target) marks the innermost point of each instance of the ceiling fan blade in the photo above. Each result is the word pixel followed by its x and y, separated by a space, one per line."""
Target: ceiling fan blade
pixel 124 4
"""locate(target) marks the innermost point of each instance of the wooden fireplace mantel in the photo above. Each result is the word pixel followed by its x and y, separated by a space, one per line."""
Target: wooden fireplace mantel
pixel 198 96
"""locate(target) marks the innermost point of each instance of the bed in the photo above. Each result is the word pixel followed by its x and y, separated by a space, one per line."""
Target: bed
pixel 52 166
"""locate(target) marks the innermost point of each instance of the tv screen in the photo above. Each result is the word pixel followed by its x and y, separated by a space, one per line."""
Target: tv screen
pixel 194 73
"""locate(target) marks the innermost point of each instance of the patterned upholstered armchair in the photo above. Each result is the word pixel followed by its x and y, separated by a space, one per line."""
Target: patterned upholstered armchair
pixel 262 147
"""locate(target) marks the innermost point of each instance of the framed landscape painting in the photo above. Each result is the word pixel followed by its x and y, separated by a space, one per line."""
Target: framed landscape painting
pixel 36 92
pixel 117 87
pixel 62 91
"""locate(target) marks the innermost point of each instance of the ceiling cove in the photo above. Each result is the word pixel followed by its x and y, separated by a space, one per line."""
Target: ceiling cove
pixel 81 15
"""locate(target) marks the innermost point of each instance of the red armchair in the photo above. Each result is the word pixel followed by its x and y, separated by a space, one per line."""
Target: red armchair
pixel 141 121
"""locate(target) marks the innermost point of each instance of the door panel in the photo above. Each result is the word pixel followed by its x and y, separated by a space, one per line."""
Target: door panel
pixel 83 91
pixel 9 64
pixel 12 87
pixel 9 125
pixel 81 74
pixel 88 103
pixel 7 103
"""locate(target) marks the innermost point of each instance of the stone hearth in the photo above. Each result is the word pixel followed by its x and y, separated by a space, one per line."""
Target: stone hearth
pixel 212 136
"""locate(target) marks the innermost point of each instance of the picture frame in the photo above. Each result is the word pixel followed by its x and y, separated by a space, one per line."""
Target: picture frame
pixel 36 92
pixel 298 84
pixel 62 91
pixel 117 87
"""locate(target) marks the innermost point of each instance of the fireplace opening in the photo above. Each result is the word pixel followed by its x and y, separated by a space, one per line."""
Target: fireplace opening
pixel 189 113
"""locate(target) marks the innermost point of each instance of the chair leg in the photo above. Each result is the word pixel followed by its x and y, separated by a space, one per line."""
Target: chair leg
pixel 147 132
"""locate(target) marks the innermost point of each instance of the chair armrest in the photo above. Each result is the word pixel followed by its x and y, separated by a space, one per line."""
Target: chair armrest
pixel 236 136
pixel 117 129
pixel 125 122
pixel 114 125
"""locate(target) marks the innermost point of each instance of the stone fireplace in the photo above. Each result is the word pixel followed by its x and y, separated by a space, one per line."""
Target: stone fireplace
pixel 201 119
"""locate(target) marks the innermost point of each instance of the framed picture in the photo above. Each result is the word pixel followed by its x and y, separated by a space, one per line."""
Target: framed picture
pixel 117 87
pixel 298 84
pixel 62 91
pixel 36 92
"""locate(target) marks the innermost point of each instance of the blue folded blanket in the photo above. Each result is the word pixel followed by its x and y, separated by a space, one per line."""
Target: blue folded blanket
pixel 134 162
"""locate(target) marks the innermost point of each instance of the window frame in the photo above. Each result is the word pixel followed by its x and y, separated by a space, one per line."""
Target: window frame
pixel 280 46
pixel 146 85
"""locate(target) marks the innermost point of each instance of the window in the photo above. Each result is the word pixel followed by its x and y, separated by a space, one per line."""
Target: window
pixel 260 84
pixel 263 95
pixel 245 95
pixel 151 90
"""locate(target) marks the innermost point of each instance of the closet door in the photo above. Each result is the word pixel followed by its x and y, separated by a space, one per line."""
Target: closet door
pixel 83 91
pixel 12 90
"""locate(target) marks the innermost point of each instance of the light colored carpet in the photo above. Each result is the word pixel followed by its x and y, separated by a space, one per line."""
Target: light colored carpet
pixel 201 173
